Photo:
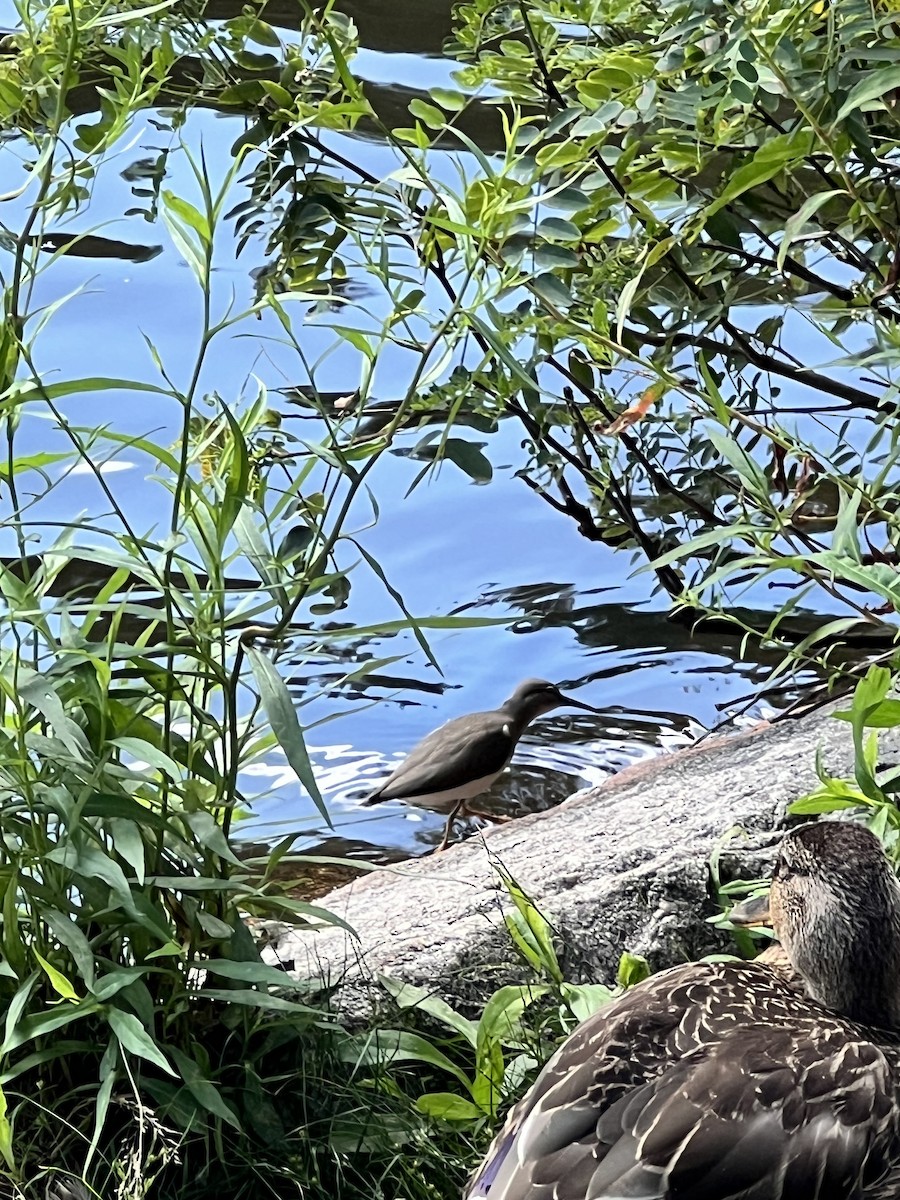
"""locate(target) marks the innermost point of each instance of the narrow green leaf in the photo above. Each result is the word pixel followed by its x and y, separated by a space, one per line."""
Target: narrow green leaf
pixel 382 1047
pixel 397 597
pixel 249 972
pixel 407 995
pixel 135 1039
pixel 447 1106
pixel 203 1090
pixel 747 469
pixel 811 805
pixel 187 213
pixel 58 981
pixel 6 1143
pixel 845 539
pixel 144 752
pixel 500 1020
pixel 872 86
pixel 279 708
pixel 68 933
pixel 767 163
pixel 796 223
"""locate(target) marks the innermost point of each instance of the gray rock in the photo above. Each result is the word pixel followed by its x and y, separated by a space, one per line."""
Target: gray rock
pixel 622 866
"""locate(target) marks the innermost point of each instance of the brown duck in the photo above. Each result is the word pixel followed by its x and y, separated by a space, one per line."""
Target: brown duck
pixel 736 1081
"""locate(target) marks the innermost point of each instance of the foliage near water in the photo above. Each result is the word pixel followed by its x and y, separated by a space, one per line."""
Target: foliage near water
pixel 669 253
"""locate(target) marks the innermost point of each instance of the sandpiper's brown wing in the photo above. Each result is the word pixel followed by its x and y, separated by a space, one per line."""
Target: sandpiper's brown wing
pixel 699 1103
pixel 458 753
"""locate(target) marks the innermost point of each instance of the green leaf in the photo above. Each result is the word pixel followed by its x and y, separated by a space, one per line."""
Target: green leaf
pixel 36 691
pixel 134 1038
pixel 58 981
pixel 68 933
pixel 768 162
pixel 209 834
pixel 584 999
pixel 811 805
pixel 500 1021
pixel 382 1047
pixel 447 1106
pixel 6 1143
pixel 144 752
pixel 128 842
pixel 17 1006
pixel 48 1021
pixel 845 539
pixel 249 972
pixel 871 87
pixel 263 34
pixel 118 20
pixel 468 457
pixel 451 100
pixel 490 1069
pixel 94 863
pixel 112 983
pixel 237 483
pixel 879 578
pixel 279 708
pixel 203 1090
pixel 550 287
pixel 397 597
pixel 885 715
pixel 558 229
pixel 712 537
pixel 187 213
pixel 530 931
pixel 795 224
pixel 260 1000
pixel 746 468
pixel 869 693
pixel 427 113
pixel 407 995
pixel 632 969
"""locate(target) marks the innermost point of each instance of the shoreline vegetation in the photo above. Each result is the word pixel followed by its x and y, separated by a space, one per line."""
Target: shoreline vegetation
pixel 666 251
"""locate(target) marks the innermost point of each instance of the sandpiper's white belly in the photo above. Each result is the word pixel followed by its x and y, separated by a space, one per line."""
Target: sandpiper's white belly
pixel 445 801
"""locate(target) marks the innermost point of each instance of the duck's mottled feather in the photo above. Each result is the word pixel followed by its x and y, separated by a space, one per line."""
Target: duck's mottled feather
pixel 713 1081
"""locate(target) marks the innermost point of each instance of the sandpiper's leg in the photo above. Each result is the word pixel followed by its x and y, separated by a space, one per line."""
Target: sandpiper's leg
pixel 494 818
pixel 454 813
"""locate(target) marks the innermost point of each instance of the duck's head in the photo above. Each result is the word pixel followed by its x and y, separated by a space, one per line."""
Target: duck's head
pixel 834 905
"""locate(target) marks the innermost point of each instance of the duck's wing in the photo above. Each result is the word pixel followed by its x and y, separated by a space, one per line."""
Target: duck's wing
pixel 462 751
pixel 767 1113
pixel 553 1127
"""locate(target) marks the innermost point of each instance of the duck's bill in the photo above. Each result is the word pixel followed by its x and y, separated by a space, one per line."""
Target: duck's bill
pixel 754 911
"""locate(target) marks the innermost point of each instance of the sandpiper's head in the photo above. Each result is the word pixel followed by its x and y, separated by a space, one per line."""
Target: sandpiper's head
pixel 535 697
pixel 835 907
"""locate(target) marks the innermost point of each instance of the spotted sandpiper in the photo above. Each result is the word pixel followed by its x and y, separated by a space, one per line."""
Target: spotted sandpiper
pixel 461 759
